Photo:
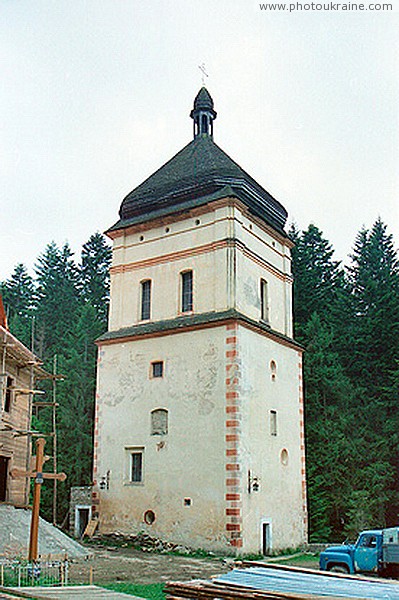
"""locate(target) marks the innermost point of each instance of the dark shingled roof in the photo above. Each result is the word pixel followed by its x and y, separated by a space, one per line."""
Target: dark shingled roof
pixel 200 172
pixel 183 322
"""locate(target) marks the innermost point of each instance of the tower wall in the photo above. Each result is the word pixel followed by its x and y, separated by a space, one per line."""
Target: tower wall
pixel 271 450
pixel 187 463
pixel 220 478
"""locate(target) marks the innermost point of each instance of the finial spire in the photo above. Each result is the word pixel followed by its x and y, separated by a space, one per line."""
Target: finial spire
pixel 203 71
pixel 203 114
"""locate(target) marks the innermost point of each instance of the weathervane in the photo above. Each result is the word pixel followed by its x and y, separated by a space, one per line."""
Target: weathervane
pixel 203 71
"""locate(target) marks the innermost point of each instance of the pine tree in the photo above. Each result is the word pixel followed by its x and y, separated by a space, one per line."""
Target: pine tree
pixel 56 299
pixel 94 274
pixel 77 399
pixel 368 334
pixel 328 395
pixel 318 279
pixel 17 293
pixel 373 277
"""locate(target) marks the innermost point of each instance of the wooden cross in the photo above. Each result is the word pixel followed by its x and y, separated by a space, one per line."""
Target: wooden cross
pixel 203 71
pixel 39 477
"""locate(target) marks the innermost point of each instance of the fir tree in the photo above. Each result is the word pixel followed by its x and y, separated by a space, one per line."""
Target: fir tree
pixel 56 299
pixel 17 293
pixel 94 274
pixel 373 278
pixel 318 279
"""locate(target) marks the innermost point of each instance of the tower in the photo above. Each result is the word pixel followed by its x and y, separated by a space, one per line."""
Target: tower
pixel 199 415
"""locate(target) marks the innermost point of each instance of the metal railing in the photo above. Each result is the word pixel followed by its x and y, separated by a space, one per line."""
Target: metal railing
pixel 21 573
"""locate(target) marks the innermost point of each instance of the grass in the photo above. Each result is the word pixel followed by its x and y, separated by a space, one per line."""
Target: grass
pixel 153 590
pixel 301 560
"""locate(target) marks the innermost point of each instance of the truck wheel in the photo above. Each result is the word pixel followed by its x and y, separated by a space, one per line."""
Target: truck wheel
pixel 339 569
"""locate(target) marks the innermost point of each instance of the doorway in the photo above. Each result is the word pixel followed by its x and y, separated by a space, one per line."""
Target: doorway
pixel 3 477
pixel 82 517
pixel 266 538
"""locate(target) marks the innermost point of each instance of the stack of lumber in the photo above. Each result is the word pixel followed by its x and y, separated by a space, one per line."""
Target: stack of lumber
pixel 274 582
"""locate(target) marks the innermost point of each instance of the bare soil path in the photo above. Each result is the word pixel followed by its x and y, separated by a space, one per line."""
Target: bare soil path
pixel 135 566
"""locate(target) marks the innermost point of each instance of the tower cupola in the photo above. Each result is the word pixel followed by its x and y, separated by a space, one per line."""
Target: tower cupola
pixel 203 113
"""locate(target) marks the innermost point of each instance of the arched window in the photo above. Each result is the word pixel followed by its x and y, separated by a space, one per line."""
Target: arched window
pixel 264 300
pixel 159 421
pixel 186 291
pixel 273 369
pixel 146 299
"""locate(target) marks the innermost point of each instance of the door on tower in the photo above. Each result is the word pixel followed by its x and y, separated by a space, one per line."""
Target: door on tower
pixel 82 517
pixel 3 477
pixel 266 537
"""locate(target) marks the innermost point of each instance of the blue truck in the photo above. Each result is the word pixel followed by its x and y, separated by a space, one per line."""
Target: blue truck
pixel 376 551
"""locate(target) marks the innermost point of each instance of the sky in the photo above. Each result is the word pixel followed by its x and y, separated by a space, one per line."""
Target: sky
pixel 96 95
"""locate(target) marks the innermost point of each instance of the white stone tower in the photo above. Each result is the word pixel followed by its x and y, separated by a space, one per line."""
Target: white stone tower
pixel 199 418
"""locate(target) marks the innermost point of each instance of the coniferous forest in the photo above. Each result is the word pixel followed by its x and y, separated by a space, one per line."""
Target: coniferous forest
pixel 346 318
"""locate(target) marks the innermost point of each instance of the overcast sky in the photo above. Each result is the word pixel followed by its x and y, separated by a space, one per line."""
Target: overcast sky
pixel 96 95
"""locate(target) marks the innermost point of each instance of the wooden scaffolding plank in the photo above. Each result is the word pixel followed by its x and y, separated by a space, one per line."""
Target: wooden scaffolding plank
pixel 90 528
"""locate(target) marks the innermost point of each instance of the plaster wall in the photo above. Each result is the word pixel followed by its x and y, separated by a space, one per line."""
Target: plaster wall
pixel 228 253
pixel 261 256
pixel 188 462
pixel 209 288
pixel 280 500
pixel 217 388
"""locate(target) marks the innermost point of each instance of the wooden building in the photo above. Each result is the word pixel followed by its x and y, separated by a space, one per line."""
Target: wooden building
pixel 19 370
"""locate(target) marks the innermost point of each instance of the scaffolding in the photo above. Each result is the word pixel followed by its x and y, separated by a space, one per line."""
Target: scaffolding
pixel 13 350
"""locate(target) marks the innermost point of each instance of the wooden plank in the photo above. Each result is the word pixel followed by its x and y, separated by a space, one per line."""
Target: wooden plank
pixel 209 591
pixel 90 528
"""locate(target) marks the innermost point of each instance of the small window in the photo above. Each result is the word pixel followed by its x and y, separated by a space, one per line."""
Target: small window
pixel 187 291
pixel 157 369
pixel 9 394
pixel 159 421
pixel 146 299
pixel 273 370
pixel 149 517
pixel 284 457
pixel 136 466
pixel 273 422
pixel 264 301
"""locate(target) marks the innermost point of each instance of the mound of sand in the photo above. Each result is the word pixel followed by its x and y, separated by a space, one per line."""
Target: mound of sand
pixel 14 536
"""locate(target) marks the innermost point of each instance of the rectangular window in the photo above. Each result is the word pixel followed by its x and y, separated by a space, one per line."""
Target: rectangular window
pixel 157 369
pixel 136 467
pixel 264 300
pixel 146 299
pixel 9 388
pixel 273 422
pixel 187 291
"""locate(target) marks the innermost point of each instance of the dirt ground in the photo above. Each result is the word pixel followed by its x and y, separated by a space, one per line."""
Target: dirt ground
pixel 135 566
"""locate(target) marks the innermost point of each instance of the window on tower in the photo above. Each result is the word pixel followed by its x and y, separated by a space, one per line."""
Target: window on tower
pixel 159 421
pixel 264 301
pixel 136 466
pixel 273 422
pixel 187 291
pixel 157 369
pixel 146 299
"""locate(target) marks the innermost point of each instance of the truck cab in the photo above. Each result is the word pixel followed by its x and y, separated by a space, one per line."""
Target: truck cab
pixel 363 557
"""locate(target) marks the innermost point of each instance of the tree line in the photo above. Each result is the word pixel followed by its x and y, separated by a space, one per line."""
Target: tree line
pixel 346 318
pixel 348 321
pixel 59 313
